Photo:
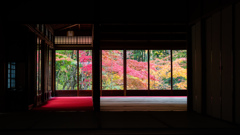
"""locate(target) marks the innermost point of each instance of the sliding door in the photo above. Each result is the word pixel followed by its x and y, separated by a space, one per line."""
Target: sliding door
pixel 112 82
pixel 73 72
pixel 144 72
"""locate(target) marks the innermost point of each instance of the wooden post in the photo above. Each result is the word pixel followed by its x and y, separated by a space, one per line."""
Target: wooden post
pixel 96 68
pixel 189 70
pixel 3 69
pixel 148 72
pixel 53 73
pixel 125 71
pixel 77 71
pixel 171 73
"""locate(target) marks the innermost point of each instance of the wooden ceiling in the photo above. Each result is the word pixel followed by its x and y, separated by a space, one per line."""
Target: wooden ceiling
pixel 59 27
pixel 79 29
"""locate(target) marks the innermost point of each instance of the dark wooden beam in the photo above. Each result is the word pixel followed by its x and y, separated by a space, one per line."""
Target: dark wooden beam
pixel 96 68
pixel 143 28
pixel 143 36
pixel 144 44
pixel 39 34
pixel 66 27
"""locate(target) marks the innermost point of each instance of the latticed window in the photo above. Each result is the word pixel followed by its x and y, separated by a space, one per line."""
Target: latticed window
pixel 11 75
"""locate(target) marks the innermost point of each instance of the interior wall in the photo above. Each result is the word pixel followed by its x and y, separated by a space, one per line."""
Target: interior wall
pixel 216 61
pixel 2 70
pixel 213 61
pixel 227 64
pixel 237 62
pixel 197 68
pixel 221 31
pixel 209 90
pixel 204 8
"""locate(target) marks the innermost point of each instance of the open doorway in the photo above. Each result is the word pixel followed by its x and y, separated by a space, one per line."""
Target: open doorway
pixel 144 80
pixel 73 72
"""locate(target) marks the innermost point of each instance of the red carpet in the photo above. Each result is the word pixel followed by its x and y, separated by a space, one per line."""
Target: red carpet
pixel 67 104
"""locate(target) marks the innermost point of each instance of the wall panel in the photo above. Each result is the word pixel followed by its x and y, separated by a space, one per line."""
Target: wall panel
pixel 216 57
pixel 227 64
pixel 193 66
pixel 209 66
pixel 237 63
pixel 2 70
pixel 198 77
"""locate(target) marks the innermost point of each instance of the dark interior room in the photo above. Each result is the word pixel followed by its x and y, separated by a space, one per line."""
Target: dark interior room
pixel 120 67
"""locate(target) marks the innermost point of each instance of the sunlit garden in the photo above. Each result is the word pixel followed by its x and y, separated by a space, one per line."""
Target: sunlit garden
pixel 112 75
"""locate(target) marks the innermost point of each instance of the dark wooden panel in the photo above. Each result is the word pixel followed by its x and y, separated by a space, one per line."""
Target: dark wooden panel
pixel 96 68
pixel 209 66
pixel 198 67
pixel 65 93
pixel 227 64
pixel 137 92
pixel 142 36
pixel 237 63
pixel 179 93
pixel 112 93
pixel 160 92
pixel 144 44
pixel 45 71
pixel 216 57
pixel 85 92
pixel 194 65
pixel 142 28
pixel 2 70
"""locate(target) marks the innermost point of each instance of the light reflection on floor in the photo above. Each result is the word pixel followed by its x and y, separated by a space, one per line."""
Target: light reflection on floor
pixel 144 103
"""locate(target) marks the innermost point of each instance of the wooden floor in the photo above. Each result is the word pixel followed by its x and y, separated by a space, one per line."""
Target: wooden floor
pixel 160 103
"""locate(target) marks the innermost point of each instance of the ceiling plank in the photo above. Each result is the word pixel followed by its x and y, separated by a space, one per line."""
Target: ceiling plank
pixel 70 26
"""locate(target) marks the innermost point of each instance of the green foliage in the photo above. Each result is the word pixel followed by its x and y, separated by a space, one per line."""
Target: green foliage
pixel 112 69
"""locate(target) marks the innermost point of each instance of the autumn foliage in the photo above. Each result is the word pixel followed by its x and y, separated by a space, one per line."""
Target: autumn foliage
pixel 113 69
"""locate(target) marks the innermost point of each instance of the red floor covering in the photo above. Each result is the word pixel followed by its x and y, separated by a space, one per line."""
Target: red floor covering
pixel 67 104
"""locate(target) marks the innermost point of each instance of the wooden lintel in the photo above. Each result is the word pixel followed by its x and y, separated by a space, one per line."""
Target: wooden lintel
pixel 40 35
pixel 70 26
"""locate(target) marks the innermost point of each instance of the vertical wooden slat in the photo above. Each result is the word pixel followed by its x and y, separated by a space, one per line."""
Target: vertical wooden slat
pixel 193 67
pixel 148 72
pixel 227 64
pixel 54 73
pixel 78 75
pixel 233 60
pixel 171 73
pixel 125 71
pixel 216 63
pixel 209 66
pixel 101 73
pixel 237 63
pixel 189 70
pixel 198 68
pixel 203 67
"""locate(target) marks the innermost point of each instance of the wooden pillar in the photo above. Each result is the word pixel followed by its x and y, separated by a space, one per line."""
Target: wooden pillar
pixel 53 73
pixel 96 68
pixel 189 71
pixel 31 69
pixel 44 70
pixel 236 61
pixel 2 70
pixel 203 66
pixel 227 64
